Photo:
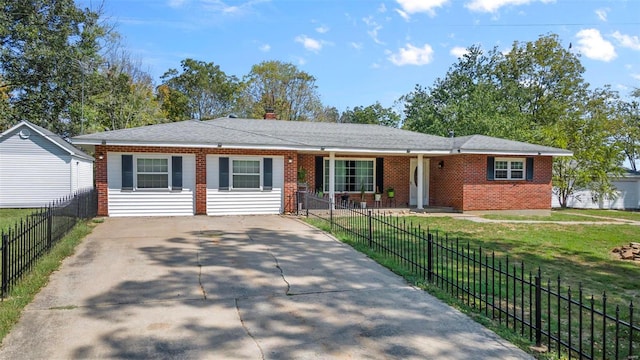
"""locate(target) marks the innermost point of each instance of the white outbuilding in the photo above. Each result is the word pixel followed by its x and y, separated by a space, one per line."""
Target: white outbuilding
pixel 38 166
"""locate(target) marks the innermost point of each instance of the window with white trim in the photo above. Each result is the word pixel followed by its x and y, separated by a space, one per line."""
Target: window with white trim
pixel 152 173
pixel 351 175
pixel 509 169
pixel 245 174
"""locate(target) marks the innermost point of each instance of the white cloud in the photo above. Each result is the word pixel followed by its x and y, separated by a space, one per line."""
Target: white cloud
pixel 374 27
pixel 382 8
pixel 592 45
pixel 491 6
pixel 412 55
pixel 220 6
pixel 356 45
pixel 628 41
pixel 309 43
pixel 602 14
pixel 419 6
pixel 265 48
pixel 636 76
pixel 458 51
pixel 176 3
pixel 322 29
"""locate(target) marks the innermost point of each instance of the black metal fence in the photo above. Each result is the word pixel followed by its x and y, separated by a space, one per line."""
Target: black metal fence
pixel 551 315
pixel 25 242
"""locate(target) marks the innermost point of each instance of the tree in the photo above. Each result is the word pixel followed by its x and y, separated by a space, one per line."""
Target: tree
pixel 210 93
pixel 628 128
pixel 41 43
pixel 597 155
pixel 291 93
pixel 372 114
pixel 468 100
pixel 534 93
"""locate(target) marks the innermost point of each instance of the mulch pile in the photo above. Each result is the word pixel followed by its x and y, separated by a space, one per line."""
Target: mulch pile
pixel 628 252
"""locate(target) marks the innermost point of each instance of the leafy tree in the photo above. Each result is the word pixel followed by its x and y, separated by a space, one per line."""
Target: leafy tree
pixel 372 114
pixel 628 125
pixel 534 93
pixel 597 155
pixel 41 43
pixel 290 92
pixel 210 93
pixel 468 100
pixel 174 104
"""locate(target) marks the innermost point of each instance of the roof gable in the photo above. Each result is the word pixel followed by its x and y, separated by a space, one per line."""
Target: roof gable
pixel 51 137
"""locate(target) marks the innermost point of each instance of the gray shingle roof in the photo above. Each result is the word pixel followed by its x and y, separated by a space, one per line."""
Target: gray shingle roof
pixel 53 137
pixel 313 136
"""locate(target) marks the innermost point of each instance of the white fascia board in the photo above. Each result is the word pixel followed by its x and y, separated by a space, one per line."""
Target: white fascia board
pixel 514 153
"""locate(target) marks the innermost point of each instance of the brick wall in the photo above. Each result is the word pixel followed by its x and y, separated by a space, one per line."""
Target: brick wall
pixel 462 184
pixel 290 182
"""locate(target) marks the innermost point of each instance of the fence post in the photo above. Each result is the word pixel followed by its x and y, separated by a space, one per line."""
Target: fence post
pixel 538 315
pixel 49 226
pixel 429 256
pixel 5 264
pixel 370 229
pixel 306 203
pixel 331 214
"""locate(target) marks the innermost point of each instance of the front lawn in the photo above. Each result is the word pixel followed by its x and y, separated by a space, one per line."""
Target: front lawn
pixel 579 254
pixel 9 217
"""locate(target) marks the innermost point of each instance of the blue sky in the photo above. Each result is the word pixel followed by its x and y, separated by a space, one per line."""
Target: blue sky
pixel 363 51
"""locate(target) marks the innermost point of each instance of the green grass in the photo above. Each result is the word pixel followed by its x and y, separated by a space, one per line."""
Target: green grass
pixel 26 289
pixel 9 217
pixel 579 254
pixel 618 214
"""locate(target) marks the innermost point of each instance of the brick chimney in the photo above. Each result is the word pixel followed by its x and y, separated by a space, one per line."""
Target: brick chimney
pixel 269 113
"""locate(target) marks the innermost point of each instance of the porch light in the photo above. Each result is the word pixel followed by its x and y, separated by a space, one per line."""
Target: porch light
pixel 290 160
pixel 440 164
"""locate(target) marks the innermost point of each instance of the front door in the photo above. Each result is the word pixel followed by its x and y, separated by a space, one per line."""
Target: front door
pixel 413 190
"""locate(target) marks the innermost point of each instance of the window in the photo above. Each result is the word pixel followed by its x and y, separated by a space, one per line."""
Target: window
pixel 152 173
pixel 509 169
pixel 246 174
pixel 351 175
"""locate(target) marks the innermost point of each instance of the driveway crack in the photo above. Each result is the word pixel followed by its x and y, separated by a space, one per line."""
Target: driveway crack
pixel 246 329
pixel 204 292
pixel 281 274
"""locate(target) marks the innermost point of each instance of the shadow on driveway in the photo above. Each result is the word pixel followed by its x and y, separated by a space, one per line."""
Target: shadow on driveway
pixel 256 287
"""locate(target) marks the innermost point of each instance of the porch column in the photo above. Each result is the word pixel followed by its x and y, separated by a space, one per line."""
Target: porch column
pixel 420 185
pixel 332 178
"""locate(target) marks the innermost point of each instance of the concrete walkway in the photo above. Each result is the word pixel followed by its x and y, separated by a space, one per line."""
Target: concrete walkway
pixel 261 287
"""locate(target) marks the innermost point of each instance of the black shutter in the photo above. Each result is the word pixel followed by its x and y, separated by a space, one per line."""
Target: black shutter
pixel 224 174
pixel 379 175
pixel 176 173
pixel 319 173
pixel 127 172
pixel 529 169
pixel 267 181
pixel 490 168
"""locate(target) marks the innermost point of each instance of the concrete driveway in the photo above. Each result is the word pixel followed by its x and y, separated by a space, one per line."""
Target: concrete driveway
pixel 255 287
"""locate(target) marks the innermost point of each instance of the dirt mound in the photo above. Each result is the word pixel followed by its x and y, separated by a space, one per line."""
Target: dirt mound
pixel 629 252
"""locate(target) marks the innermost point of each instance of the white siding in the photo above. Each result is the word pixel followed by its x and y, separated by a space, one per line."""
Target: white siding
pixel 628 197
pixel 33 171
pixel 243 202
pixel 81 174
pixel 151 202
